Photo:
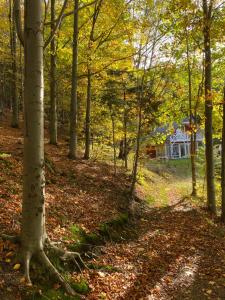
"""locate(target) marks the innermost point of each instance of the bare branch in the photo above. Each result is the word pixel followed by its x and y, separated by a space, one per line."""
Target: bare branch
pixel 17 16
pixel 57 25
pixel 72 12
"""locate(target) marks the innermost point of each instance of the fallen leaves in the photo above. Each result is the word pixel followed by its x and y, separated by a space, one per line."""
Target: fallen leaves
pixel 172 253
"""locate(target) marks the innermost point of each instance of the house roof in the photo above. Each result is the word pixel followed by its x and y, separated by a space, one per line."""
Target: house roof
pixel 165 130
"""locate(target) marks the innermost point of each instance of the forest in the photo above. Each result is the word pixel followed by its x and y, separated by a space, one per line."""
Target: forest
pixel 112 149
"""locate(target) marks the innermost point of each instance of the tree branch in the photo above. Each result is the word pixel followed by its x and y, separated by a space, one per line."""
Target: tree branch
pixel 17 16
pixel 58 23
pixel 72 12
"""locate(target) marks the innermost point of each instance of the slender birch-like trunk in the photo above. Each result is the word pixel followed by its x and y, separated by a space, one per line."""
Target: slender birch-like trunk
pixel 125 132
pixel 88 117
pixel 193 135
pixel 223 163
pixel 73 103
pixel 13 77
pixel 53 99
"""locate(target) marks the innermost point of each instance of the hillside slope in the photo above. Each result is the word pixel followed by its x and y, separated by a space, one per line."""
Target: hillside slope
pixel 169 250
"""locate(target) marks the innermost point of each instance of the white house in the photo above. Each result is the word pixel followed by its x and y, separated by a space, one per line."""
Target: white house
pixel 177 145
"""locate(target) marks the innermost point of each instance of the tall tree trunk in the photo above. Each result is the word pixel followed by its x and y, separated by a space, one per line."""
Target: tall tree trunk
pixel 125 131
pixel 14 91
pixel 33 208
pixel 21 105
pixel 33 234
pixel 114 141
pixel 138 137
pixel 207 19
pixel 223 162
pixel 97 8
pixel 193 135
pixel 53 98
pixel 73 104
pixel 193 163
pixel 88 117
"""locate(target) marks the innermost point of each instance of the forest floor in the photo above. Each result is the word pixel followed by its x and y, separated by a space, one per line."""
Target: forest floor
pixel 171 249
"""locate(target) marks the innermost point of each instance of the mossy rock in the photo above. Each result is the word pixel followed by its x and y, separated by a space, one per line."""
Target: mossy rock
pixel 112 229
pixel 120 221
pixel 81 287
pixel 83 240
pixel 92 238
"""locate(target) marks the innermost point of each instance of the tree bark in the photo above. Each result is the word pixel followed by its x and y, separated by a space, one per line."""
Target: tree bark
pixel 136 158
pixel 73 104
pixel 193 135
pixel 88 117
pixel 125 132
pixel 207 19
pixel 14 91
pixel 223 163
pixel 21 84
pixel 89 77
pixel 114 141
pixel 53 99
pixel 33 207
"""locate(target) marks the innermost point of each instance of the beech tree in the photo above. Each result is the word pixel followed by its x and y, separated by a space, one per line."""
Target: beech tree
pixel 33 234
pixel 73 101
pixel 33 209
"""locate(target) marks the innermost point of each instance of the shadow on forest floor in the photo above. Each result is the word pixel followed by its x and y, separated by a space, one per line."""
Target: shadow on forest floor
pixel 172 252
pixel 179 255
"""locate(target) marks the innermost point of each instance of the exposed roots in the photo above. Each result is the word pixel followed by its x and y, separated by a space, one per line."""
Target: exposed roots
pixel 46 263
pixel 67 255
pixel 49 266
pixel 74 256
pixel 27 258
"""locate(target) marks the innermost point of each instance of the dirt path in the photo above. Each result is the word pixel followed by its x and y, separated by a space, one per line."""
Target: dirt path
pixel 179 254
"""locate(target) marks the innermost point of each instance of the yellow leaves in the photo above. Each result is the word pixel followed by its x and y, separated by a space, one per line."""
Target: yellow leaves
pixel 103 296
pixel 16 267
pixel 8 260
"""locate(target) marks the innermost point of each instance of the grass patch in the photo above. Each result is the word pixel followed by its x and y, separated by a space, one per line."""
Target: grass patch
pixel 171 167
pixel 158 180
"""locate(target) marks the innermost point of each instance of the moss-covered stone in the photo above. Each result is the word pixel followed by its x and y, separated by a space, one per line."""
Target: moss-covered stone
pixel 81 287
